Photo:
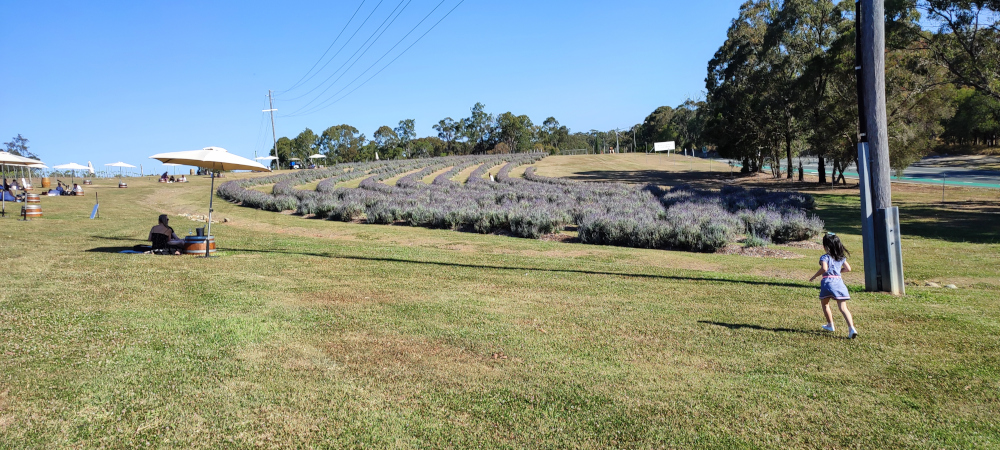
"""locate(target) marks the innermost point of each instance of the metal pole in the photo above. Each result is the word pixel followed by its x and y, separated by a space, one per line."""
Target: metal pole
pixel 943 178
pixel 208 232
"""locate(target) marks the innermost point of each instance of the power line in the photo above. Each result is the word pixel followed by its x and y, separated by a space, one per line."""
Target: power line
pixel 345 46
pixel 324 106
pixel 390 16
pixel 301 80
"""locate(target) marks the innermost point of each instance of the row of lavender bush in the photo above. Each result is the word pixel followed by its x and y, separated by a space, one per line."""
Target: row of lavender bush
pixel 606 213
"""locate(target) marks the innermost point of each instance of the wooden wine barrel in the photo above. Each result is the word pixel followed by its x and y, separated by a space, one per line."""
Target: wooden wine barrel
pixel 121 185
pixel 46 183
pixel 32 198
pixel 88 182
pixel 31 211
pixel 195 245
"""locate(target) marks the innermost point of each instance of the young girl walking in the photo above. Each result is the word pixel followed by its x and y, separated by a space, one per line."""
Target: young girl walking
pixel 832 286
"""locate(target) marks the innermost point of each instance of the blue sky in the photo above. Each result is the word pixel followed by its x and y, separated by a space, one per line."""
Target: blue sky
pixel 106 81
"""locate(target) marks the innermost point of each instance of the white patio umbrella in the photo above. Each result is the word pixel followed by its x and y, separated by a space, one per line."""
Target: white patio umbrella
pixel 71 166
pixel 266 158
pixel 121 167
pixel 174 166
pixel 214 159
pixel 10 159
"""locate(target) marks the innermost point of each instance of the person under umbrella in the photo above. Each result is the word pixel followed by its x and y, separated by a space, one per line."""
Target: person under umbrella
pixel 214 159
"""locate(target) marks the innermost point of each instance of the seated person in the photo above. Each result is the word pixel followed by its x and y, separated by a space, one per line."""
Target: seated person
pixel 163 178
pixel 164 238
pixel 77 190
pixel 172 180
pixel 182 179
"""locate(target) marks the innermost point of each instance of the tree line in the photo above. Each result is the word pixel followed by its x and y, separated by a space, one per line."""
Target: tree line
pixel 783 83
pixel 487 133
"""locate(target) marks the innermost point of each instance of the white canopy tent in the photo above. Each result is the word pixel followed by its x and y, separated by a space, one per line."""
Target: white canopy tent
pixel 10 159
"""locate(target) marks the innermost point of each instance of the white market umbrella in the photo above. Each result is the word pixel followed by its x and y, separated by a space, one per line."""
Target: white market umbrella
pixel 317 156
pixel 71 166
pixel 121 167
pixel 215 159
pixel 10 159
pixel 173 165
pixel 90 167
pixel 268 159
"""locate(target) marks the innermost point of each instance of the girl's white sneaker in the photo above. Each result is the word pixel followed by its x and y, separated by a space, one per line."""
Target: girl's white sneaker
pixel 852 334
pixel 828 327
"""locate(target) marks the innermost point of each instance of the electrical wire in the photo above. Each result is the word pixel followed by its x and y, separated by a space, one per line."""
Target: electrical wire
pixel 334 83
pixel 325 105
pixel 348 41
pixel 362 47
pixel 303 79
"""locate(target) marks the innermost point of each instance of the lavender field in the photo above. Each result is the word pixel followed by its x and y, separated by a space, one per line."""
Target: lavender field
pixel 531 206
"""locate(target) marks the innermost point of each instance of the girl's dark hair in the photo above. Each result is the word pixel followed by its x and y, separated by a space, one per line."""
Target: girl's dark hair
pixel 836 248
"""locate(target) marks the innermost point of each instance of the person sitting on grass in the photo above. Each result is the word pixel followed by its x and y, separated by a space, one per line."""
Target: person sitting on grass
pixel 164 238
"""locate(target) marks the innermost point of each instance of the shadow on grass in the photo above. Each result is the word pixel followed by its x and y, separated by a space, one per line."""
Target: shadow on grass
pixel 657 177
pixel 108 249
pixel 740 326
pixel 536 269
pixel 973 223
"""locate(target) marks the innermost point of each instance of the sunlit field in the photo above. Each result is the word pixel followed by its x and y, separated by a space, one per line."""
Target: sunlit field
pixel 317 333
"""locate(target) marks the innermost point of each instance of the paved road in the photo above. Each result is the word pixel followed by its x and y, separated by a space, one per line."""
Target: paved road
pixel 921 172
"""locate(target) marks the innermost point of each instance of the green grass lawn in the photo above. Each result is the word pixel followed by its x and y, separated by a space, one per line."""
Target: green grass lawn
pixel 311 333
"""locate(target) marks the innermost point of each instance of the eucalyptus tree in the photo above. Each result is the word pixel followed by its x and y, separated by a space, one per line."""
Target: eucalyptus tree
pixel 342 143
pixel 406 132
pixel 304 145
pixel 448 130
pixel 967 42
pixel 385 138
pixel 742 118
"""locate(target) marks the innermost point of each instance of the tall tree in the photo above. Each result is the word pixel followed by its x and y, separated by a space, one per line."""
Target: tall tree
pixel 447 130
pixel 405 132
pixel 386 141
pixel 342 143
pixel 18 145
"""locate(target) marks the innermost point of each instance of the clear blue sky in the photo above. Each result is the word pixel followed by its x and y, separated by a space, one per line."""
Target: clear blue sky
pixel 106 81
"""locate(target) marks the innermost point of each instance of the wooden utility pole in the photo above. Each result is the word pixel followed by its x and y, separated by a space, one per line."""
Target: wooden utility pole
pixel 873 82
pixel 274 136
pixel 880 220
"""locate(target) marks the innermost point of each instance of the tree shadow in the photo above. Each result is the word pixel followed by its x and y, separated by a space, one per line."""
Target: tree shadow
pixel 740 326
pixel 536 269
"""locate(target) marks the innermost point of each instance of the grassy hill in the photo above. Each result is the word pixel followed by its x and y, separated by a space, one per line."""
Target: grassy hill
pixel 308 332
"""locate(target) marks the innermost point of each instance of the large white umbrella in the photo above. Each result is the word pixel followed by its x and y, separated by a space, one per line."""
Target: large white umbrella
pixel 266 158
pixel 121 167
pixel 71 166
pixel 10 159
pixel 215 159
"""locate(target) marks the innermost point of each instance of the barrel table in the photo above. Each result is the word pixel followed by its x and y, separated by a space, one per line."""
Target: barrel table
pixel 88 182
pixel 195 245
pixel 121 185
pixel 32 198
pixel 31 211
pixel 46 182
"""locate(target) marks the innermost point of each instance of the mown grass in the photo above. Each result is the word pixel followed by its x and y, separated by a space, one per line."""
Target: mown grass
pixel 317 333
